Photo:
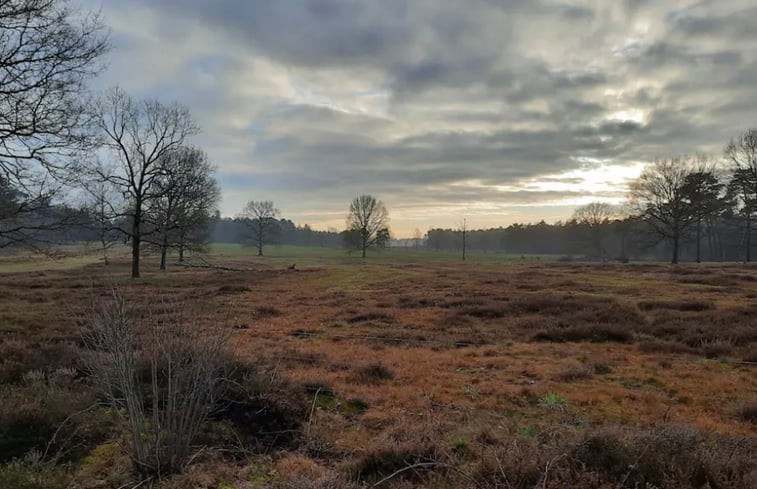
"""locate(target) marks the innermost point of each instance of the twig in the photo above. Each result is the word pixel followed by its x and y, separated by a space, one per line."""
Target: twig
pixel 405 469
pixel 312 409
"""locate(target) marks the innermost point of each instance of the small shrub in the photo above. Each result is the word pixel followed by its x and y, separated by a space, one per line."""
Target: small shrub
pixel 385 460
pixel 578 371
pixel 373 374
pixel 717 348
pixel 747 412
pixel 596 333
pixel 370 316
pixel 553 400
pixel 266 312
pixel 682 305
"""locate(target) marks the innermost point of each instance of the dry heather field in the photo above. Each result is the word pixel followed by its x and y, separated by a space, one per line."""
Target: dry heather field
pixel 408 371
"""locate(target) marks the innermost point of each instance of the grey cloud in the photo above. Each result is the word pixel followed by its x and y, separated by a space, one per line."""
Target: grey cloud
pixel 321 98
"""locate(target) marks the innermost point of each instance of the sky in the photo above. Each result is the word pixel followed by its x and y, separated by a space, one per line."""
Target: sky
pixel 497 111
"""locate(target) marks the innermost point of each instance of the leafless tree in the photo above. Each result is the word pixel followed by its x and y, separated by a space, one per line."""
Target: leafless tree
pixel 659 197
pixel 260 218
pixel 140 134
pixel 186 197
pixel 742 153
pixel 594 217
pixel 417 238
pixel 463 230
pixel 101 200
pixel 368 220
pixel 47 55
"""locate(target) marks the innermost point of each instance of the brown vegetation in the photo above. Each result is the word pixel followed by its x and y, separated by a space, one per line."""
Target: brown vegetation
pixel 562 375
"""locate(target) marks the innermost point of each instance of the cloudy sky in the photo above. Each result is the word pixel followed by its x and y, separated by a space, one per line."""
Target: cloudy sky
pixel 500 111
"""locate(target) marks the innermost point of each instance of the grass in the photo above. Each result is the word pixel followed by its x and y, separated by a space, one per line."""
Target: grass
pixel 419 357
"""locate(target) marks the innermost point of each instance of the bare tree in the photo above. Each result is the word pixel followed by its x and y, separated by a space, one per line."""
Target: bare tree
pixel 99 208
pixel 659 196
pixel 463 230
pixel 260 218
pixel 47 55
pixel 368 221
pixel 417 238
pixel 742 153
pixel 186 197
pixel 140 134
pixel 594 217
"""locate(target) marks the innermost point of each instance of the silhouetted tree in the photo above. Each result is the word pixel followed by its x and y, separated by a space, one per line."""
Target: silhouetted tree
pixel 187 194
pixel 742 153
pixel 659 195
pixel 140 134
pixel 368 223
pixel 47 56
pixel 595 217
pixel 703 192
pixel 260 219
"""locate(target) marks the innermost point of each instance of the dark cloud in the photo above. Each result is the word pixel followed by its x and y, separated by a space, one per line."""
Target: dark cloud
pixel 440 103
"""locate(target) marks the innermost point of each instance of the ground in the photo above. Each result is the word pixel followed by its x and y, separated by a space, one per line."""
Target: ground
pixel 408 345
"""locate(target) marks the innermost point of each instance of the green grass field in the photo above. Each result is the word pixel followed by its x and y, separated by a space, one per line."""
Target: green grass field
pixel 317 255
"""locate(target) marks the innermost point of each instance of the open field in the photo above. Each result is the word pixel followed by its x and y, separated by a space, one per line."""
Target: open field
pixel 477 374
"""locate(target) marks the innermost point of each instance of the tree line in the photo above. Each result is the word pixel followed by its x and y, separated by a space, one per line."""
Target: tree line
pixel 700 207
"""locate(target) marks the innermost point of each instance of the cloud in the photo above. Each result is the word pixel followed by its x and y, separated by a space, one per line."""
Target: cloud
pixel 310 102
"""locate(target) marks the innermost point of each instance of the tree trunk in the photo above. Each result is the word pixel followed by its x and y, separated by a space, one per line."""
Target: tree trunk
pixel 674 261
pixel 260 237
pixel 699 241
pixel 181 247
pixel 748 237
pixel 136 240
pixel 163 253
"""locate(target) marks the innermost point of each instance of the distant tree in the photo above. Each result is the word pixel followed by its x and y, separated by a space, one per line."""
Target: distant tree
pixel 260 219
pixel 367 224
pixel 742 153
pixel 659 196
pixel 140 134
pixel 47 55
pixel 595 217
pixel 186 197
pixel 704 193
pixel 417 238
pixel 463 231
pixel 102 199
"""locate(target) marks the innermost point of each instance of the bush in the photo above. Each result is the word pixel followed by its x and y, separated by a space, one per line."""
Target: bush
pixel 163 372
pixel 747 412
pixel 373 373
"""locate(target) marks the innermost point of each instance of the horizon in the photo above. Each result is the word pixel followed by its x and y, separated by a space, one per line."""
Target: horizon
pixel 506 113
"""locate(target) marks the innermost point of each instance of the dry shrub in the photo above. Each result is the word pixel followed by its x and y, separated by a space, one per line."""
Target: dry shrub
pixel 662 346
pixel 717 348
pixel 264 411
pixel 17 358
pixel 370 316
pixel 576 371
pixel 299 472
pixel 266 312
pixel 680 305
pixel 373 373
pixel 669 456
pixel 233 289
pixel 750 356
pixel 594 333
pixel 166 376
pixel 747 411
pixel 31 414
